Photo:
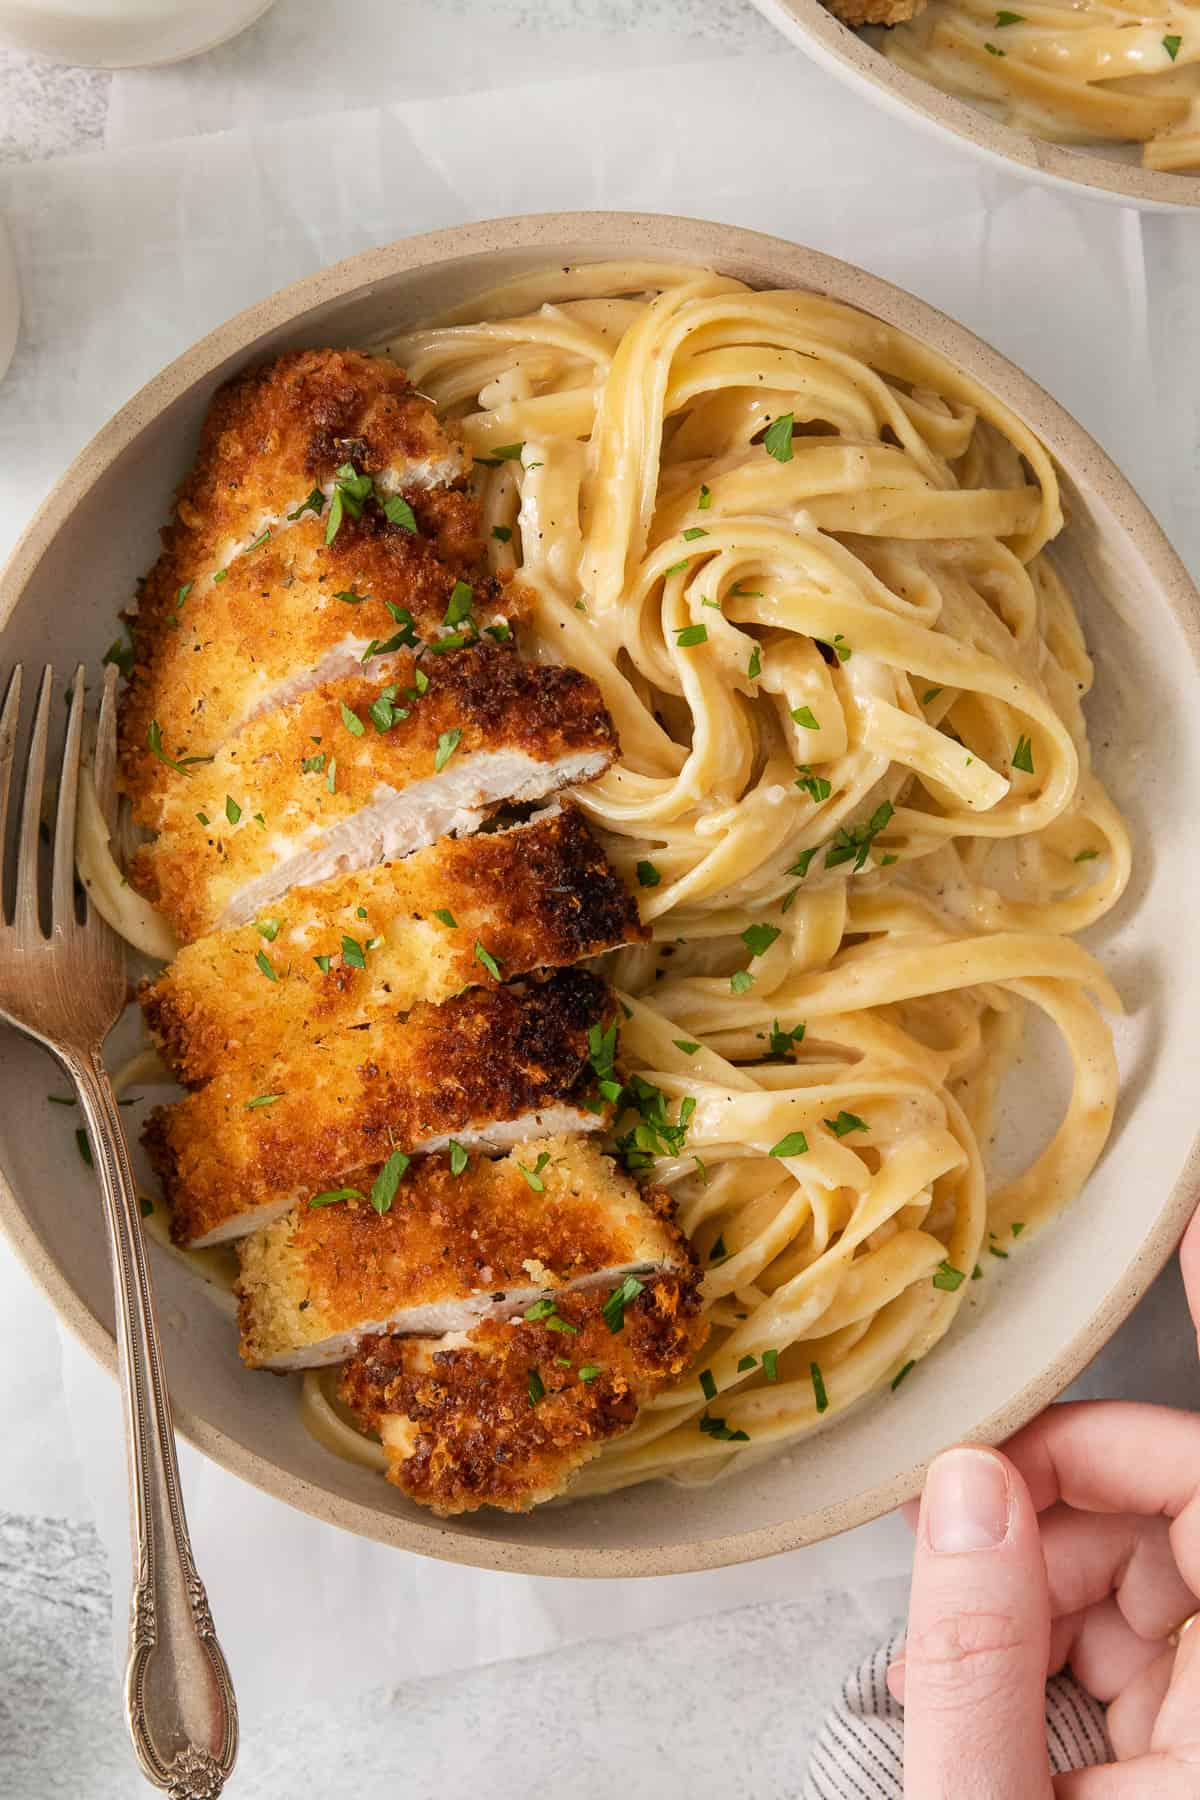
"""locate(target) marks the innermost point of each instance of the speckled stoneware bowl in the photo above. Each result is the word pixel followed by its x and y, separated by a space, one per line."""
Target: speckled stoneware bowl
pixel 1107 172
pixel 1032 1326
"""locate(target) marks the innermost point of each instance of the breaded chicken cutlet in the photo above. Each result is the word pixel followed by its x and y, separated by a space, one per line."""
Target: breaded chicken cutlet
pixel 361 771
pixel 459 1240
pixel 492 1068
pixel 875 12
pixel 537 896
pixel 504 1416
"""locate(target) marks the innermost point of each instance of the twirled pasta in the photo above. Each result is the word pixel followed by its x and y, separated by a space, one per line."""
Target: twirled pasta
pixel 854 786
pixel 1121 71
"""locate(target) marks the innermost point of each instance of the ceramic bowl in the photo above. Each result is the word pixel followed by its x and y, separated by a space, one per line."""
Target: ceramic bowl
pixel 1108 173
pixel 1032 1326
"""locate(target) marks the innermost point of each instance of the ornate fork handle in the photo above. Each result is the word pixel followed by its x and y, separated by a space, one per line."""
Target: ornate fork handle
pixel 178 1695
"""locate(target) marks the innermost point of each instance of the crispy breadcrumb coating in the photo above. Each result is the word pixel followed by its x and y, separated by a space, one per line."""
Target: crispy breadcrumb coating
pixel 317 787
pixel 541 895
pixel 505 1417
pixel 492 1067
pixel 875 12
pixel 451 1248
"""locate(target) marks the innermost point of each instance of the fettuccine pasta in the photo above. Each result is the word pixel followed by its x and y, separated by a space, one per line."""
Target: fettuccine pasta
pixel 1104 71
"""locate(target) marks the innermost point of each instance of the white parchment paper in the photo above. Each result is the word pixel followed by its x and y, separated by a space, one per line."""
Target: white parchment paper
pixel 128 256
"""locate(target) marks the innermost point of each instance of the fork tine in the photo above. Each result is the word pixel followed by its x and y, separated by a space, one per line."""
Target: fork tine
pixel 9 719
pixel 62 891
pixel 26 913
pixel 104 762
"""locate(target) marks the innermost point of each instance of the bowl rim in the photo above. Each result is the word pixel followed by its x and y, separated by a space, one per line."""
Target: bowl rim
pixel 814 28
pixel 774 260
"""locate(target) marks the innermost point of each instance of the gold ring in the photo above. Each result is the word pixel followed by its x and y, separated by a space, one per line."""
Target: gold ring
pixel 1177 1635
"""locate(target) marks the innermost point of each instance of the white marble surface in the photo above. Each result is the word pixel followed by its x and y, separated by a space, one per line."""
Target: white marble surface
pixel 724 1705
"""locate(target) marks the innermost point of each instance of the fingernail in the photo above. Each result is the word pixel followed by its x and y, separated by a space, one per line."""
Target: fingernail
pixel 967 1502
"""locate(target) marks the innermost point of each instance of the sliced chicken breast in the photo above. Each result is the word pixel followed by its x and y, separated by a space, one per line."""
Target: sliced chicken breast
pixel 505 1415
pixel 291 616
pixel 490 1069
pixel 361 771
pixel 541 895
pixel 492 1239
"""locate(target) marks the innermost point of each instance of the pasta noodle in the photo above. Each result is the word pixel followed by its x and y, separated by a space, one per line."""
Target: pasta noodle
pixel 1118 71
pixel 805 559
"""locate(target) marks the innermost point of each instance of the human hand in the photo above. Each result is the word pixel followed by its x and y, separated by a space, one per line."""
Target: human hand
pixel 1080 1544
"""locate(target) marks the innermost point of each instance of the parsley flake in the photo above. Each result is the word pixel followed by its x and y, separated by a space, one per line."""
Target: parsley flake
pixel 689 635
pixel 845 1123
pixel 534 1176
pixel 794 1144
pixel 759 938
pixel 906 1370
pixel 264 963
pixel 778 439
pixel 1022 756
pixel 818 1384
pixel 947 1277
pixel 445 917
pixel 648 875
pixel 741 982
pixel 805 716
pixel 488 960
pixel 383 1188
pixel 447 744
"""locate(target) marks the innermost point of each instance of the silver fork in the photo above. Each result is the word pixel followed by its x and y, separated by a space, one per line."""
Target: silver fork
pixel 67 992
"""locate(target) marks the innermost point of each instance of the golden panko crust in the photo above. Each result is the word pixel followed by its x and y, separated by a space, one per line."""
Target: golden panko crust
pixel 338 1105
pixel 545 1216
pixel 542 895
pixel 875 12
pixel 507 1417
pixel 288 778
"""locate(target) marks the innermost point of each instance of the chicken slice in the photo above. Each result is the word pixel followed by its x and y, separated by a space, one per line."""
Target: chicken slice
pixel 363 770
pixel 452 1248
pixel 875 12
pixel 505 1415
pixel 540 895
pixel 291 616
pixel 490 1069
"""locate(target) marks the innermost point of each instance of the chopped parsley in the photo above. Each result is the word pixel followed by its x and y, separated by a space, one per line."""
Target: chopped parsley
pixel 993 50
pixel 794 1144
pixel 1009 18
pixel 203 818
pixel 1087 856
pixel 995 1250
pixel 383 1188
pixel 1171 46
pixel 397 511
pixel 692 533
pixel 268 928
pixel 262 1100
pixel 855 844
pixel 745 1364
pixel 759 938
pixel 351 491
pixel 906 1370
pixel 233 811
pixel 655 1134
pixel 488 960
pixel 534 1176
pixel 506 453
pixel 264 963
pixel 930 694
pixel 818 1384
pixel 447 744
pixel 769 1360
pixel 648 875
pixel 717 1428
pixel 264 537
pixel 718 1253
pixel 324 963
pixel 331 776
pixel 537 1388
pixel 462 599
pixel 155 741
pixel 708 1386
pixel 332 1196
pixel 741 982
pixel 350 597
pixel 614 1307
pixel 312 765
pixel 1022 756
pixel 589 1371
pixel 705 500
pixel 778 439
pixel 353 953
pixel 781 1041
pixel 1017 1228
pixel 689 635
pixel 351 720
pixel 676 568
pixel 445 917
pixel 845 1123
pixel 754 666
pixel 687 1045
pixel 383 711
pixel 805 716
pixel 458 1158
pixel 947 1277
pixel 815 785
pixel 314 503
pixel 120 655
pixel 84 1148
pixel 502 533
pixel 801 865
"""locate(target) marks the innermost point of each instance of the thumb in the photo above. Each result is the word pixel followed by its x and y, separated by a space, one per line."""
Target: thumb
pixel 978 1637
